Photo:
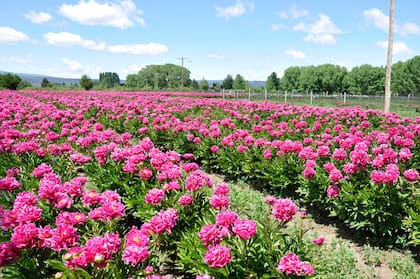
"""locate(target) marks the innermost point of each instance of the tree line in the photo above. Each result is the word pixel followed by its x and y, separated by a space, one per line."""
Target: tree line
pixel 364 79
pixel 325 78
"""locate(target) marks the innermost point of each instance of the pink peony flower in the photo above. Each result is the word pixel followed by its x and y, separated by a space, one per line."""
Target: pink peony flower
pixel 145 173
pixel 8 253
pixel 70 218
pixel 214 149
pixel 339 154
pixel 226 218
pixel 318 241
pixel 210 235
pixel 333 191
pixel 218 256
pixel 75 258
pixel 154 196
pixel 186 200
pixel 25 236
pixel 90 197
pixel 9 184
pixel 222 189
pixel 377 176
pixel 42 169
pixel 245 229
pixel 219 202
pixel 291 265
pixel 25 198
pixel 270 200
pixel 284 209
pixel 392 173
pixel 267 154
pixel 411 175
pixel 335 176
pixel 309 173
pixel 134 254
pixel 148 269
pixel 189 167
pixel 63 237
pixel 164 221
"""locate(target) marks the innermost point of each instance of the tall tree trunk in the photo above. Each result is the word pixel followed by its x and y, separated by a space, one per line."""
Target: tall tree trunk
pixel 387 99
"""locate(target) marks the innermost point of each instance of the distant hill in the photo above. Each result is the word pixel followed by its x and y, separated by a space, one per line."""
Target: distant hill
pixel 36 79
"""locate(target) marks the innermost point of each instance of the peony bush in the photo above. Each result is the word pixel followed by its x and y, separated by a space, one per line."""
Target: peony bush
pixel 106 184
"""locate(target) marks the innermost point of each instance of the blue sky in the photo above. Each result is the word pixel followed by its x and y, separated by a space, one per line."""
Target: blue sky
pixel 69 38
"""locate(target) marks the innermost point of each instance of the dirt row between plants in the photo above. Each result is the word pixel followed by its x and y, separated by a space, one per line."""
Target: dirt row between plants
pixel 331 233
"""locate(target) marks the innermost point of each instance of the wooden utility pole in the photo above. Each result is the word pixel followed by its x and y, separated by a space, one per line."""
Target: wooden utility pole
pixel 387 99
pixel 182 71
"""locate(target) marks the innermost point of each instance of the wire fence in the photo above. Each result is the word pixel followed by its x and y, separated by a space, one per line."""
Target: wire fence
pixel 404 105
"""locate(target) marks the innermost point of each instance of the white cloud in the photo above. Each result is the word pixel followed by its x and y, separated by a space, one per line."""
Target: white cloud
pixel 11 36
pixel 131 69
pixel 72 65
pixel 120 14
pixel 38 18
pixel 15 59
pixel 66 39
pixel 397 48
pixel 143 49
pixel 215 56
pixel 381 21
pixel 378 18
pixel 236 10
pixel 295 54
pixel 75 69
pixel 409 29
pixel 323 26
pixel 293 12
pixel 278 27
pixel 325 39
pixel 321 32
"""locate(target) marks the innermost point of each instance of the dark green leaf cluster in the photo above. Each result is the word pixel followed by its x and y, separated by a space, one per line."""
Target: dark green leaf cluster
pixel 159 77
pixel 109 79
pixel 363 79
pixel 86 82
pixel 10 81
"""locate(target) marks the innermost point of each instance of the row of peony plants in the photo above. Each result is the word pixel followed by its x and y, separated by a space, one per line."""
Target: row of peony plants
pixel 81 228
pixel 358 165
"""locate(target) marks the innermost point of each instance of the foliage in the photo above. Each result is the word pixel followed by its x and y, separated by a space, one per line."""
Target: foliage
pixel 158 77
pixel 273 83
pixel 204 85
pixel 10 81
pixel 239 82
pixel 109 79
pixel 366 79
pixel 228 82
pixel 45 83
pixel 363 79
pixel 86 82
pixel 360 166
pixel 194 85
pixel 291 79
pixel 24 84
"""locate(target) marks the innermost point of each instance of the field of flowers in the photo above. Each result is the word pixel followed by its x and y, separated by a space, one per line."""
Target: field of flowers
pixel 112 184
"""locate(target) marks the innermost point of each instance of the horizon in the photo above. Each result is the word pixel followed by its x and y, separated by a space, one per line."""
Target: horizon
pixel 69 38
